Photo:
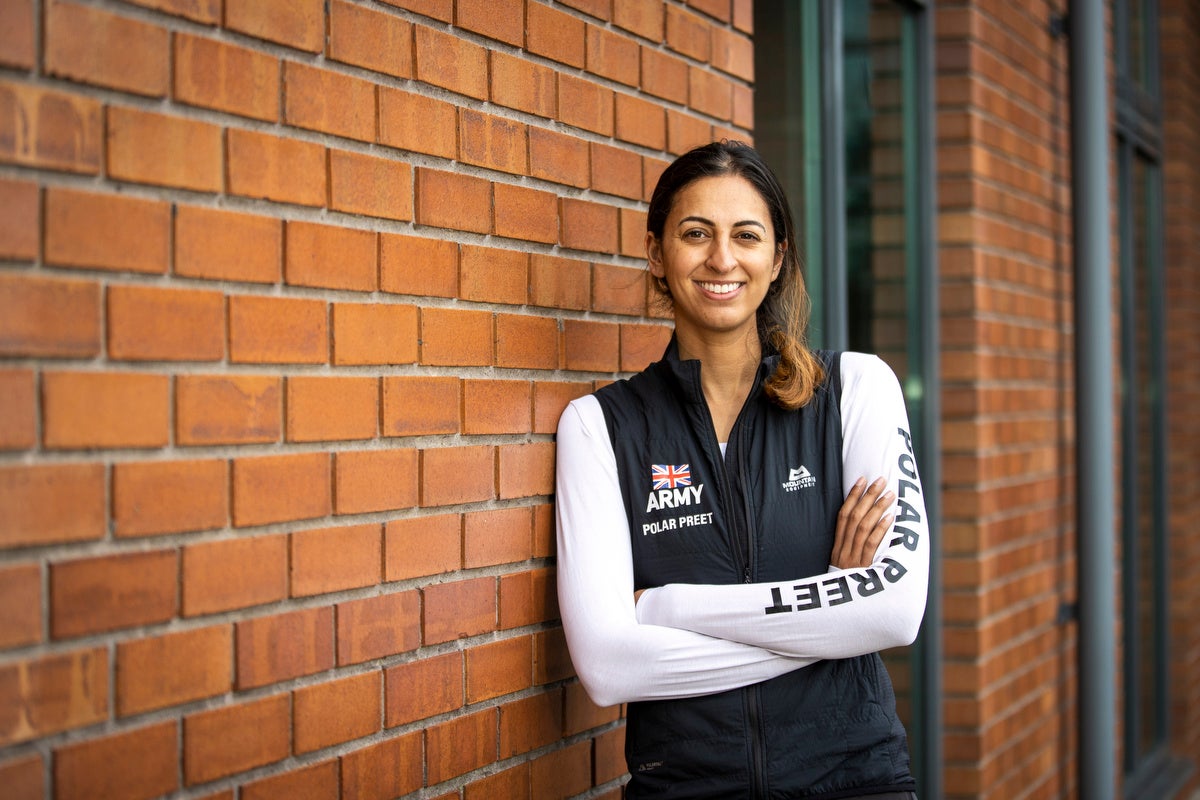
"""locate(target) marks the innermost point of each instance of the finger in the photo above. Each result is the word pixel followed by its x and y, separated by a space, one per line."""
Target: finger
pixel 867 535
pixel 841 544
pixel 864 507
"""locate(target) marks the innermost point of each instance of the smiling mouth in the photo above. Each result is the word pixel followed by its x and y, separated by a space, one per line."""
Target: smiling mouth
pixel 719 288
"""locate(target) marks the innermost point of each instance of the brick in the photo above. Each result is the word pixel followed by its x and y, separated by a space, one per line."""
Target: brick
pixel 125 766
pixel 652 168
pixel 642 17
pixel 378 627
pixel 373 333
pixel 511 783
pixel 233 574
pixel 486 140
pixel 642 345
pixel 619 290
pixel 275 168
pixel 664 75
pixel 633 233
pixel 418 266
pixel 558 158
pixel 88 45
pixel 105 593
pixel 330 257
pixel 526 469
pixel 282 488
pixel 499 668
pixel 608 756
pixel 555 35
pixel 488 274
pixel 414 122
pixel 314 782
pixel 452 475
pixel 544 526
pixel 616 171
pixel 733 53
pixel 143 147
pixel 17 41
pixel 374 187
pixel 225 77
pixel 688 34
pixel 235 738
pixel 640 122
pixel 588 226
pixel 527 598
pixel 525 213
pixel 600 9
pixel 718 9
pixel 743 15
pixel 329 102
pixel 459 609
pixel 294 23
pixel 277 330
pixel 337 711
pixel 445 60
pixel 453 200
pixel 332 559
pixel 581 714
pixel 20 604
pixel 20 223
pixel 562 773
pixel 370 39
pixel 437 9
pixel 283 646
pixel 422 689
pixel 685 131
pixel 22 777
pixel 530 723
pixel 204 11
pixel 561 283
pixel 503 20
pixel 743 107
pixel 52 503
pixel 321 409
pixel 496 406
pixel 591 346
pixel 416 547
pixel 53 693
pixel 375 480
pixel 710 93
pixel 456 337
pixel 104 409
pixel 460 745
pixel 215 244
pixel 497 536
pixel 50 129
pixel 173 669
pixel 48 317
pixel 523 85
pixel 524 342
pixel 550 399
pixel 415 406
pixel 152 324
pixel 612 55
pixel 585 104
pixel 227 409
pixel 104 231
pixel 384 770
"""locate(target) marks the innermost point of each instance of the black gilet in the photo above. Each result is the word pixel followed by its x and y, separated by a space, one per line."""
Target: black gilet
pixel 765 511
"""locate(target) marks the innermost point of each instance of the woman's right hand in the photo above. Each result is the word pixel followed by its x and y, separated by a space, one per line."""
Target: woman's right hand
pixel 861 524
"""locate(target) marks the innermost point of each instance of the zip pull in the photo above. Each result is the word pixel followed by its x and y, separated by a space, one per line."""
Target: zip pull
pixel 746 575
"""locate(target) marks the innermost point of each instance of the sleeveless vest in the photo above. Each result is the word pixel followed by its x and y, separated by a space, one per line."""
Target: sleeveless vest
pixel 766 511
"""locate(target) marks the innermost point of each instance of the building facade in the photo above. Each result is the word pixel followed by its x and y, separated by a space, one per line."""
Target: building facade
pixel 292 293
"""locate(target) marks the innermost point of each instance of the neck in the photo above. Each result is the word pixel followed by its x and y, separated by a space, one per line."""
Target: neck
pixel 730 365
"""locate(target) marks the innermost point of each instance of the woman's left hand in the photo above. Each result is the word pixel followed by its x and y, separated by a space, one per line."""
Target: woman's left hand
pixel 861 524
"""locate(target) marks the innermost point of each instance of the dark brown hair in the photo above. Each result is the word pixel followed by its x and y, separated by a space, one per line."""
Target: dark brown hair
pixel 783 314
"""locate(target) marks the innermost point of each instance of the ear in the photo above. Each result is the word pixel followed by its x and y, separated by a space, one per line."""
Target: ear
pixel 654 255
pixel 778 265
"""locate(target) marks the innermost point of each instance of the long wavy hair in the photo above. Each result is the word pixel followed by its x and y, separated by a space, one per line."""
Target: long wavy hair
pixel 783 315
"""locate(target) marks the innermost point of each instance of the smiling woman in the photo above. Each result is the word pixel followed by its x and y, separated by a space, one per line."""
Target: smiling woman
pixel 724 565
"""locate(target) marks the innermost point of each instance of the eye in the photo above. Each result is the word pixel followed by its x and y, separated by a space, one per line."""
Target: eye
pixel 748 236
pixel 695 233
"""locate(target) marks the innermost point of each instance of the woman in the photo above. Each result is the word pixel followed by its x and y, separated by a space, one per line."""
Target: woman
pixel 724 567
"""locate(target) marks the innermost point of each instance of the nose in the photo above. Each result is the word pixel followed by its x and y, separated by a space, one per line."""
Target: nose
pixel 720 256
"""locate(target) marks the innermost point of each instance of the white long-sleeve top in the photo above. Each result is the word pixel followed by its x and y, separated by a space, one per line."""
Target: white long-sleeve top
pixel 686 640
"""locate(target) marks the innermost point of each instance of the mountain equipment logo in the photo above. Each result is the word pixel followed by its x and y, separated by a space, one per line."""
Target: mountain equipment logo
pixel 799 478
pixel 670 476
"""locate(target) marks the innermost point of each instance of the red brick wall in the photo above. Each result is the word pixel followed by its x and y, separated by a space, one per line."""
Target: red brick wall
pixel 291 296
pixel 1007 534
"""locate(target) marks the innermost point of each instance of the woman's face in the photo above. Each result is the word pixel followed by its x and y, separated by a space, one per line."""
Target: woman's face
pixel 717 255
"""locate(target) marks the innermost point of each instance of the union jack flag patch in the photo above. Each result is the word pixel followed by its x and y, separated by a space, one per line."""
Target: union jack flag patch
pixel 670 476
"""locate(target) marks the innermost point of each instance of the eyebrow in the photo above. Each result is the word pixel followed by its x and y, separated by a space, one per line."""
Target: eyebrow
pixel 704 221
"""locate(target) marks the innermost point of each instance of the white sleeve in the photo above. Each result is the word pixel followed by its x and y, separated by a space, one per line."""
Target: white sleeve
pixel 617 658
pixel 841 613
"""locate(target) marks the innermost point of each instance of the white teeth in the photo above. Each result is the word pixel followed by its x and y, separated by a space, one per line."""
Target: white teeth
pixel 719 288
